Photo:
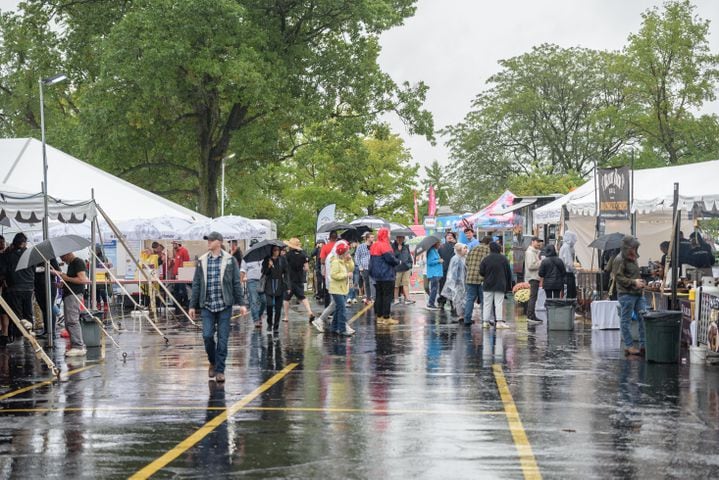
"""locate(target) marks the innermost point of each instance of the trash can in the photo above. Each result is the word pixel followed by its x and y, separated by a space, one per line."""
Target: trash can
pixel 663 330
pixel 91 333
pixel 560 313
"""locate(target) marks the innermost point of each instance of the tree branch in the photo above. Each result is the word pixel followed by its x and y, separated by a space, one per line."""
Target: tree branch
pixel 140 166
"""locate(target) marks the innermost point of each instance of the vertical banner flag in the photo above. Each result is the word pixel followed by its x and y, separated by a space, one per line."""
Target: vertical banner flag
pixel 614 192
pixel 416 209
pixel 432 209
pixel 326 215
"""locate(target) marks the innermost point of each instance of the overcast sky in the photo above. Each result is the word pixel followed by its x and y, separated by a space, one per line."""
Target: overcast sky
pixel 454 46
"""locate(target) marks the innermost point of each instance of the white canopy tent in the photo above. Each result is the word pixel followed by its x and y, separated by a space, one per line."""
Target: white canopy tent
pixel 69 177
pixel 653 203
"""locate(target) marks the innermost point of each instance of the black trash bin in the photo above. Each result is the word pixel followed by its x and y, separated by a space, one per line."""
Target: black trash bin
pixel 663 330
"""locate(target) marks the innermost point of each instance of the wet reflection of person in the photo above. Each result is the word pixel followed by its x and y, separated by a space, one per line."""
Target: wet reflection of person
pixel 273 354
pixel 627 420
pixel 213 452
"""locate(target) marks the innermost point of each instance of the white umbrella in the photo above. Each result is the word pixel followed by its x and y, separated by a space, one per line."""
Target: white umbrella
pixel 375 223
pixel 170 227
pixel 139 229
pixel 232 227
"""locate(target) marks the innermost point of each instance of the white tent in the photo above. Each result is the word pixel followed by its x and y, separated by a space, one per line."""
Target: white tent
pixel 68 177
pixel 653 199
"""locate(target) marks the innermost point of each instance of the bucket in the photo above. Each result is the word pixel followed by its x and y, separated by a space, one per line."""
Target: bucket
pixel 697 355
pixel 663 331
pixel 560 314
pixel 91 334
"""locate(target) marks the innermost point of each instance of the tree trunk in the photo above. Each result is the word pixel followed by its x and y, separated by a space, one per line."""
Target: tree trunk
pixel 209 173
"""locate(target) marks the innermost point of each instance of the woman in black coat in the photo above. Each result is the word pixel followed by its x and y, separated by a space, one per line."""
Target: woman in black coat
pixel 552 272
pixel 276 275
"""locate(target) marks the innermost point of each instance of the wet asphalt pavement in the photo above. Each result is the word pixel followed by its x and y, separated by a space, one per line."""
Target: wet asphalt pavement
pixel 422 399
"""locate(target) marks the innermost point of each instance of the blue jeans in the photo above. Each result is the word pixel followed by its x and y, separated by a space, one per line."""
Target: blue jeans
pixel 629 304
pixel 355 283
pixel 216 353
pixel 339 321
pixel 258 303
pixel 474 291
pixel 433 289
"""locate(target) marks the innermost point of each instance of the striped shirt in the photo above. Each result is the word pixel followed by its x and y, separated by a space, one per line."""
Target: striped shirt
pixel 214 301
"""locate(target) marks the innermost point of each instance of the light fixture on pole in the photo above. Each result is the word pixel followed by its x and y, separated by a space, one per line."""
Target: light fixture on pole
pixel 222 187
pixel 45 219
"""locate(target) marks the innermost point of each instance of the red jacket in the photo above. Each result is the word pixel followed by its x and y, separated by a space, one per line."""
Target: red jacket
pixel 181 256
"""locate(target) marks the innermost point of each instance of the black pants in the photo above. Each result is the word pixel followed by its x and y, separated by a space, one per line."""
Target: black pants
pixel 274 305
pixel 383 302
pixel 179 291
pixel 441 301
pixel 571 281
pixel 553 293
pixel 533 292
pixel 21 304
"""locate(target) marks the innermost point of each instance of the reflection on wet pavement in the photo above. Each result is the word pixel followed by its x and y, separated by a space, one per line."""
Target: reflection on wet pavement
pixel 422 399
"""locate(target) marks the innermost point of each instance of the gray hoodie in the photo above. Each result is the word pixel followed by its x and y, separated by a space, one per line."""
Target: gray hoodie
pixel 566 253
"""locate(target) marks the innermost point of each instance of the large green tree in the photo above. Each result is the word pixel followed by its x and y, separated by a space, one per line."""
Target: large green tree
pixel 552 111
pixel 163 90
pixel 671 72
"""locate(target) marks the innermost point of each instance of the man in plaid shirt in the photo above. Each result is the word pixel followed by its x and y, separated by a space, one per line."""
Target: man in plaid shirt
pixel 216 288
pixel 474 279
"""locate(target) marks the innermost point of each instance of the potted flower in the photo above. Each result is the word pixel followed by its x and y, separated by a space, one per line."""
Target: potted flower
pixel 521 295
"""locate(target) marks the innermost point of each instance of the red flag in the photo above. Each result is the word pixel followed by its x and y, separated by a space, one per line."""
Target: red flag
pixel 432 202
pixel 416 209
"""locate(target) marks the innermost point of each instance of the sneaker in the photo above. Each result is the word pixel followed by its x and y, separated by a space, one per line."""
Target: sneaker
pixel 354 301
pixel 76 352
pixel 211 371
pixel 533 321
pixel 486 325
pixel 349 329
pixel 432 307
pixel 26 325
pixel 397 302
pixel 407 301
pixel 502 325
pixel 349 302
pixel 220 378
pixel 317 323
pixel 391 321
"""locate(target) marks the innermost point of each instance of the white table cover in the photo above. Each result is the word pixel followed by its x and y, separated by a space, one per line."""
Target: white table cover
pixel 605 314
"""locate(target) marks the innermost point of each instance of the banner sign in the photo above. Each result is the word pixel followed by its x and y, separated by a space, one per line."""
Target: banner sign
pixel 614 192
pixel 326 215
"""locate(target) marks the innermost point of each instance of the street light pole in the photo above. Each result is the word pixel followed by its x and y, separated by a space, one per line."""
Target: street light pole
pixel 222 187
pixel 49 323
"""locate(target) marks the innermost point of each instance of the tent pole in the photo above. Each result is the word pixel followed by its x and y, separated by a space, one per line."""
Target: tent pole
pixel 632 214
pixel 93 268
pixel 119 236
pixel 675 249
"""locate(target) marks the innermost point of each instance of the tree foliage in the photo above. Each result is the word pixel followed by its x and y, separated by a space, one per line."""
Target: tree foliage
pixel 163 90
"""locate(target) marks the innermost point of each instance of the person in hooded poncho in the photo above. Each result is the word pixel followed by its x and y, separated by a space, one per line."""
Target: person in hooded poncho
pixel 566 255
pixel 552 272
pixel 455 285
pixel 382 261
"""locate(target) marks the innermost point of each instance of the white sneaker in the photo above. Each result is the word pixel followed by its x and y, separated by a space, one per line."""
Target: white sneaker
pixel 349 302
pixel 76 352
pixel 486 325
pixel 407 301
pixel 396 302
pixel 354 301
pixel 349 329
pixel 501 326
pixel 26 324
pixel 317 323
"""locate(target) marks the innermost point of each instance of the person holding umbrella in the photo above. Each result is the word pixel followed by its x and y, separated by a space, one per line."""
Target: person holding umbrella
pixel 382 264
pixel 75 278
pixel 277 283
pixel 216 288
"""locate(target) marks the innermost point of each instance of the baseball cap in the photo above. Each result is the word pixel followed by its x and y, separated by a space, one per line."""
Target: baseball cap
pixel 214 236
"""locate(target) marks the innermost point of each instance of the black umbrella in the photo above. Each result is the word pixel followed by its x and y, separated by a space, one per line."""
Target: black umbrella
pixel 355 234
pixel 399 230
pixel 329 227
pixel 261 250
pixel 51 248
pixel 426 243
pixel 609 241
pixel 373 223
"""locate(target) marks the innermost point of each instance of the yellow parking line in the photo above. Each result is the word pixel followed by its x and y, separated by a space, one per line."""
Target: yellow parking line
pixel 208 427
pixel 133 408
pixel 521 442
pixel 360 313
pixel 41 384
